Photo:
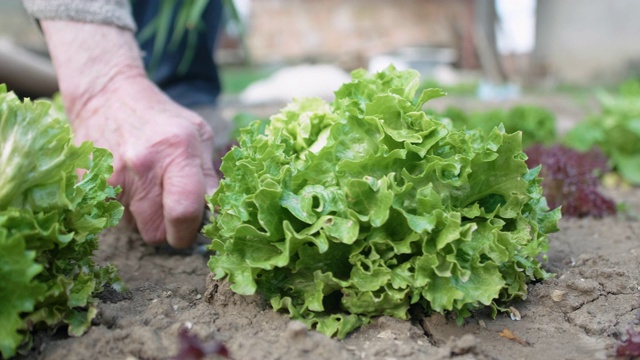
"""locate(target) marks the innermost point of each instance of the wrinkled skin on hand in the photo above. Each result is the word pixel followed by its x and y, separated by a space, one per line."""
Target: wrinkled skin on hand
pixel 162 159
pixel 162 151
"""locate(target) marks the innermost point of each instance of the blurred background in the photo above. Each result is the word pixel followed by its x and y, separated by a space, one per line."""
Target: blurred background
pixel 489 50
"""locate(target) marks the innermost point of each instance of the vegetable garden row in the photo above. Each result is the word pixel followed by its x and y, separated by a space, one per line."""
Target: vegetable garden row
pixel 335 212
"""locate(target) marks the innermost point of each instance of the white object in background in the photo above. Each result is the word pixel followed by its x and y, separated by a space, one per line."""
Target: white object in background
pixel 378 63
pixel 488 91
pixel 424 59
pixel 296 82
pixel 517 25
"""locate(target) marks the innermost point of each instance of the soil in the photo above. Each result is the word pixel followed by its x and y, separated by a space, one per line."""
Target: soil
pixel 581 313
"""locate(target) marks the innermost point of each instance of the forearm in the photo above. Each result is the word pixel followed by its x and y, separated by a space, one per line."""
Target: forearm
pixel 89 58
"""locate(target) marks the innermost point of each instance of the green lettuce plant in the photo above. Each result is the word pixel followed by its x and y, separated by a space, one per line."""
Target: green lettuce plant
pixel 615 130
pixel 49 223
pixel 537 124
pixel 340 212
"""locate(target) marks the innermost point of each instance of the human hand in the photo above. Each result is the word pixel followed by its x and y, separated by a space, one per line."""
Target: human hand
pixel 162 151
pixel 162 158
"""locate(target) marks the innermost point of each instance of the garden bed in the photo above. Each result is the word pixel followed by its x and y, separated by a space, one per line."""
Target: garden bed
pixel 581 313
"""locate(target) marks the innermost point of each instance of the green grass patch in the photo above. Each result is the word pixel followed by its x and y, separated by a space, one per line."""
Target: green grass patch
pixel 237 78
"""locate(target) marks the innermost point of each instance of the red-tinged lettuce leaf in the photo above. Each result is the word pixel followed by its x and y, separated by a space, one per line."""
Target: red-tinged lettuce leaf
pixel 630 345
pixel 341 212
pixel 192 348
pixel 49 222
pixel 571 179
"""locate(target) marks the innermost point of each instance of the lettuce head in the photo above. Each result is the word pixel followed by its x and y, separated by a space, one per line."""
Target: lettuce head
pixel 340 212
pixel 49 222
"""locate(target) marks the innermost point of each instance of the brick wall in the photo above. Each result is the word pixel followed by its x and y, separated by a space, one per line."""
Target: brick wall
pixel 350 30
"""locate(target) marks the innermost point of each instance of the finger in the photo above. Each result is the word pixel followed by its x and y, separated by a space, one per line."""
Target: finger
pixel 126 199
pixel 183 200
pixel 146 210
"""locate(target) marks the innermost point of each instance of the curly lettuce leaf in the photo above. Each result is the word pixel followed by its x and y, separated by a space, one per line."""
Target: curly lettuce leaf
pixel 340 212
pixel 49 222
pixel 18 290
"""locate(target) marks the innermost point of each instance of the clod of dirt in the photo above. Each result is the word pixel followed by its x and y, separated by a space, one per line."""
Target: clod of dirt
pixel 466 344
pixel 295 329
pixel 464 347
pixel 113 296
pixel 585 286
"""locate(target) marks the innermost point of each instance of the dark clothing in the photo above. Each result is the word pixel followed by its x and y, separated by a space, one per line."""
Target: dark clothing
pixel 199 84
